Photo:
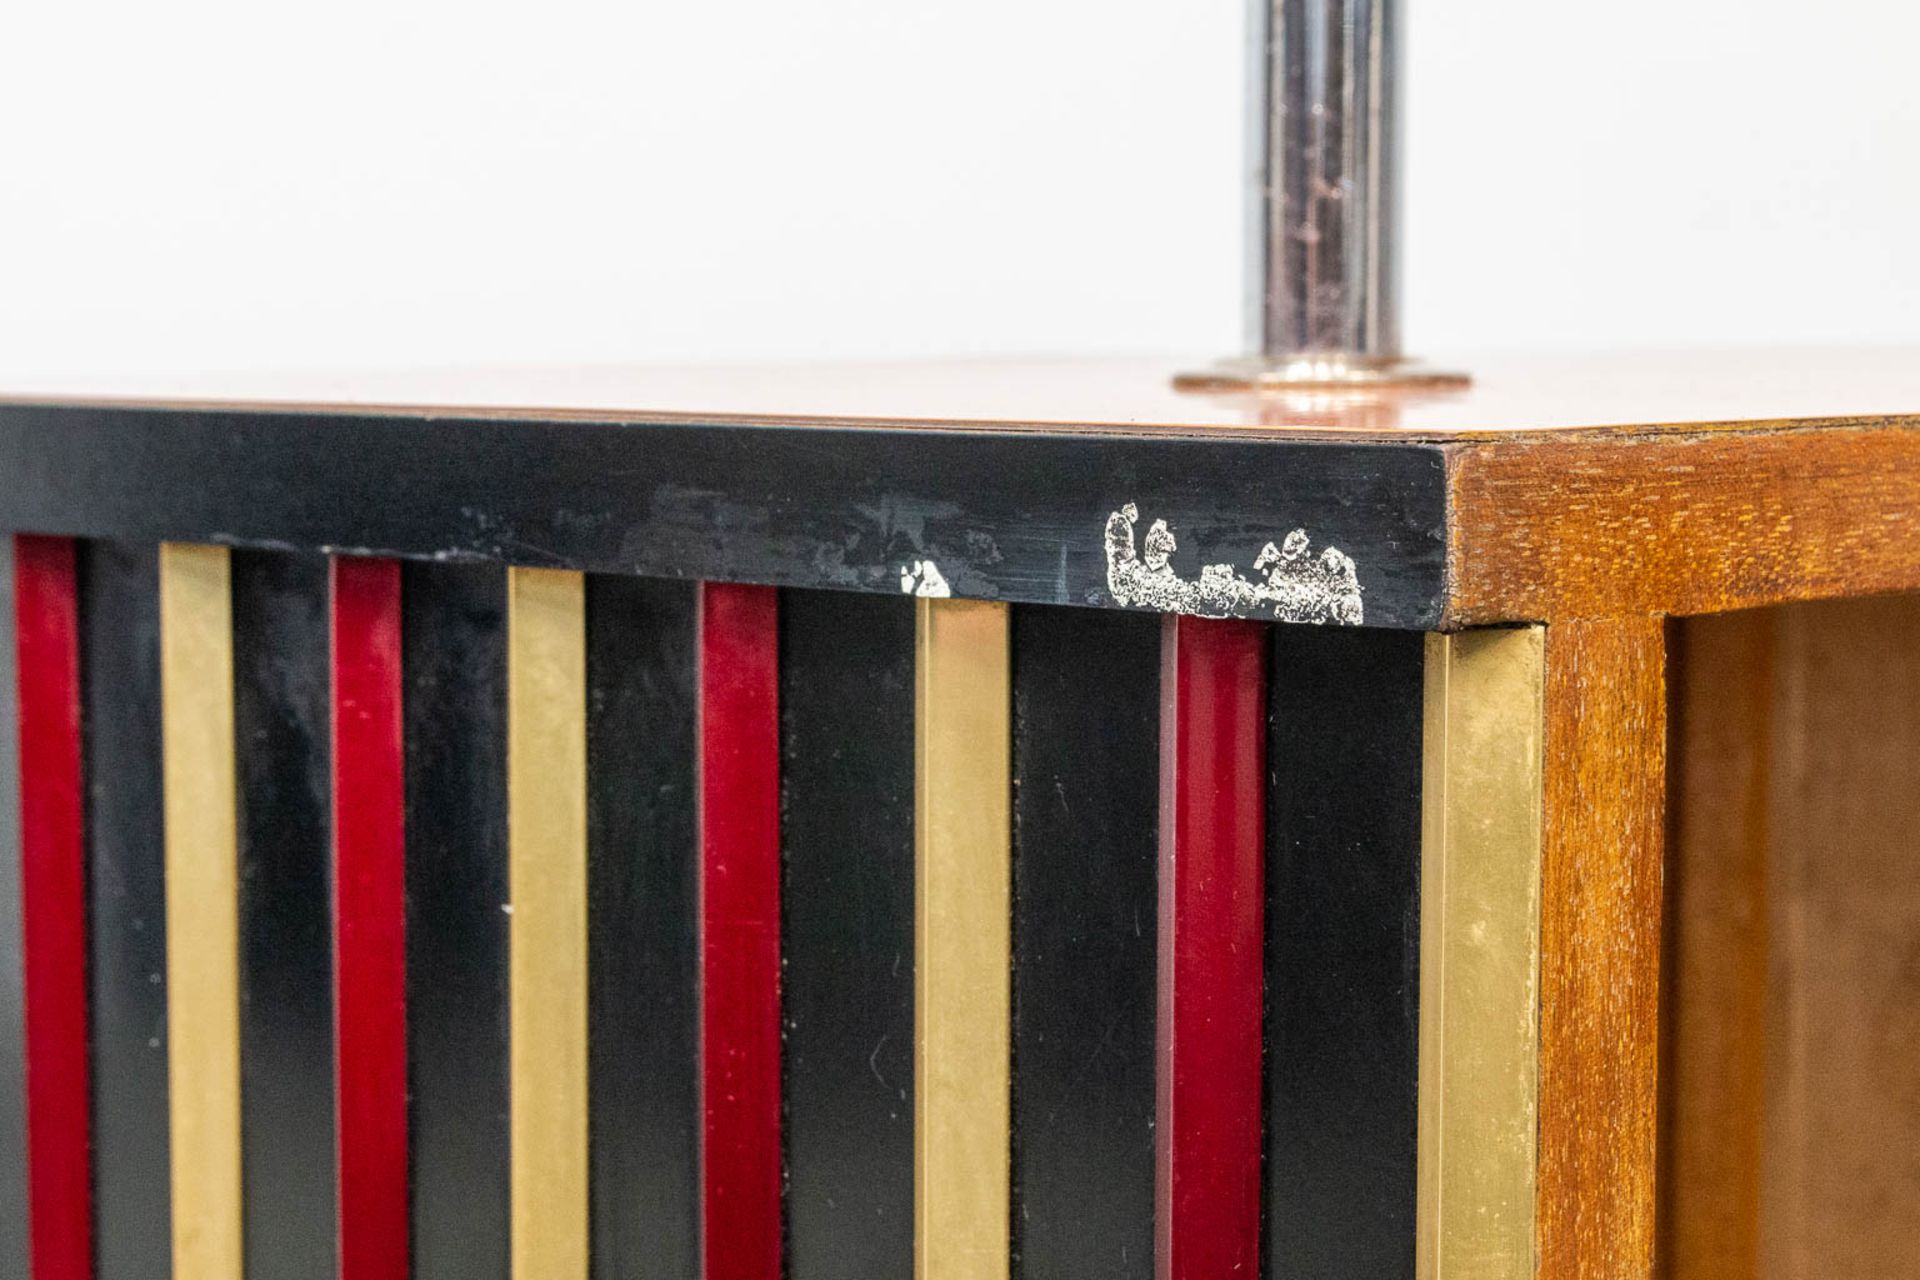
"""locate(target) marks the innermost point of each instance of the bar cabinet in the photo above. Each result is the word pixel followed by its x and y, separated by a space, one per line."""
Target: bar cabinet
pixel 1307 816
pixel 996 820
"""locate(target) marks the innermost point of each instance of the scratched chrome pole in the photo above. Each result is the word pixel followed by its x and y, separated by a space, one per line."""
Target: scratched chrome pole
pixel 1323 206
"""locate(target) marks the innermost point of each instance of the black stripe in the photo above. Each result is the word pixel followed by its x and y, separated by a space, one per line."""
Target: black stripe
pixel 13 1081
pixel 847 724
pixel 281 729
pixel 126 874
pixel 643 961
pixel 1009 515
pixel 454 656
pixel 1086 805
pixel 1343 949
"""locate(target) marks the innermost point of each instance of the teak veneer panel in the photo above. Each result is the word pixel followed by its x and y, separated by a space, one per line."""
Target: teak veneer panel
pixel 1791 1101
pixel 1605 794
pixel 1842 1140
pixel 1585 527
pixel 1714 988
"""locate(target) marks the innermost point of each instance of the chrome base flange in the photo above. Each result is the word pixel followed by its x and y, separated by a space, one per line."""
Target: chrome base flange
pixel 1312 372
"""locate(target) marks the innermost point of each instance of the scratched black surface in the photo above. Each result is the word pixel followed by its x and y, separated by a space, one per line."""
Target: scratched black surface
pixel 454 685
pixel 1343 950
pixel 642 930
pixel 13 1084
pixel 1014 516
pixel 126 888
pixel 282 719
pixel 1086 761
pixel 847 748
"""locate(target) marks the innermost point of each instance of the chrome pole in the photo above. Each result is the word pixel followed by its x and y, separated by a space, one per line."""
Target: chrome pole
pixel 1323 205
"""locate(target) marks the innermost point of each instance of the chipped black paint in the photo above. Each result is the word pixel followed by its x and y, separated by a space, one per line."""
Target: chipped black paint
pixel 1016 516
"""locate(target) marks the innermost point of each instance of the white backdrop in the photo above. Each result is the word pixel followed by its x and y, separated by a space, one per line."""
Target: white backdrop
pixel 237 184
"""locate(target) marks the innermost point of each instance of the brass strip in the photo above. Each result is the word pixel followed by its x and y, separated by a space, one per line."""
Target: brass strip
pixel 547 933
pixel 1480 954
pixel 963 905
pixel 202 887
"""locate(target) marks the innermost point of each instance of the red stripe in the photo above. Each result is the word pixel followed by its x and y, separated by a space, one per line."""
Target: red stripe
pixel 54 905
pixel 1213 740
pixel 370 957
pixel 740 931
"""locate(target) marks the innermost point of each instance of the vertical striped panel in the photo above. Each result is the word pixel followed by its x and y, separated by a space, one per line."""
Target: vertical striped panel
pixel 53 898
pixel 643 962
pixel 1213 786
pixel 963 888
pixel 203 996
pixel 1479 954
pixel 13 1044
pixel 126 909
pixel 286 1009
pixel 1086 703
pixel 740 930
pixel 846 709
pixel 369 919
pixel 547 876
pixel 1343 952
pixel 454 708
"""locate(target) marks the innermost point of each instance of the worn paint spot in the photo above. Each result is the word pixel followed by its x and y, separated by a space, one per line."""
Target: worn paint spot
pixel 923 578
pixel 1299 586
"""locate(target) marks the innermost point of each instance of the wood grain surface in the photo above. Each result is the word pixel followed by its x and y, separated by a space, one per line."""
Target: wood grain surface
pixel 1842 1133
pixel 1791 1111
pixel 1680 525
pixel 1600 947
pixel 1714 988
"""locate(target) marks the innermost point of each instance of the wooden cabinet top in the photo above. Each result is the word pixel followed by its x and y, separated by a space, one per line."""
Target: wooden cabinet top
pixel 1556 487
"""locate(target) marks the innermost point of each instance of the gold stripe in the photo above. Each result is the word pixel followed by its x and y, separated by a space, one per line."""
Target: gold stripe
pixel 203 967
pixel 547 934
pixel 962 898
pixel 1480 954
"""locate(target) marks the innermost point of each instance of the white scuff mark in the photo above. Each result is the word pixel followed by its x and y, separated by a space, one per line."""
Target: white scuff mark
pixel 1298 587
pixel 923 578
